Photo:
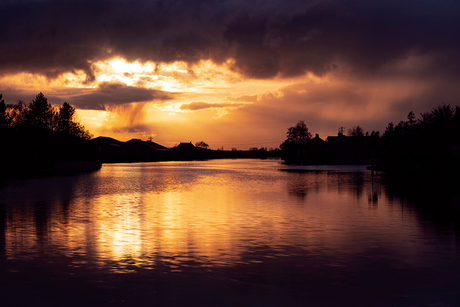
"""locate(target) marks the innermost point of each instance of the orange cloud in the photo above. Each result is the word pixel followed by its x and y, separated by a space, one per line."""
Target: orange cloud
pixel 195 106
pixel 210 102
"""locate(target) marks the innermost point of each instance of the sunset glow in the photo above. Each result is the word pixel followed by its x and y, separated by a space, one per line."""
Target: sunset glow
pixel 229 153
pixel 228 81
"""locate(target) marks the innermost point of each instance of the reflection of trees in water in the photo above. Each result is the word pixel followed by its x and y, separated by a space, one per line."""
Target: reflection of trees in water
pixel 298 190
pixel 299 184
pixel 302 182
pixel 349 182
pixel 373 198
pixel 34 207
pixel 356 184
pixel 434 199
pixel 375 192
pixel 41 219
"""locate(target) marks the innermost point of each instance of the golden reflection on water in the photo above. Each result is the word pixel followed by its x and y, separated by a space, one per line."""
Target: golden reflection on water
pixel 210 214
pixel 117 226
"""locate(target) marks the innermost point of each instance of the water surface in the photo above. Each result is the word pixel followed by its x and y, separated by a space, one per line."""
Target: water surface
pixel 228 233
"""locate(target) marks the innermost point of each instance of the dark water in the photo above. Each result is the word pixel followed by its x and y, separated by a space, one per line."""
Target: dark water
pixel 228 233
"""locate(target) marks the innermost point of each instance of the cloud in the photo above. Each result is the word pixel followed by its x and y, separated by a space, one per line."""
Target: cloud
pixel 324 106
pixel 373 62
pixel 345 101
pixel 244 98
pixel 110 94
pixel 267 39
pixel 107 95
pixel 195 106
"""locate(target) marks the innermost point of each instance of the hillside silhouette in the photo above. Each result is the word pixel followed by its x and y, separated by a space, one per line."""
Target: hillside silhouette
pixel 38 138
pixel 136 150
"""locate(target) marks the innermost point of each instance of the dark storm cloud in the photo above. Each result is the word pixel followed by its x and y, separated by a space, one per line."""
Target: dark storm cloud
pixel 107 95
pixel 266 38
pixel 115 94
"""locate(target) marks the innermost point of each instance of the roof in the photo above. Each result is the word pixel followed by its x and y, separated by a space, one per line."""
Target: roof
pixel 336 143
pixel 145 144
pixel 185 146
pixel 107 141
pixel 316 143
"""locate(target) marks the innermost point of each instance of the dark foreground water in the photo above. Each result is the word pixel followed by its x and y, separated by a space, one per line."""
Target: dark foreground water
pixel 228 233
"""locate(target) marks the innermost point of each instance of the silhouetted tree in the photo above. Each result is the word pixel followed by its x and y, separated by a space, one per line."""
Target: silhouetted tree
pixel 201 144
pixel 375 133
pixel 299 134
pixel 37 135
pixel 66 123
pixel 389 130
pixel 411 119
pixel 441 114
pixel 297 139
pixel 355 131
pixel 41 117
pixel 40 114
pixel 65 117
pixel 424 144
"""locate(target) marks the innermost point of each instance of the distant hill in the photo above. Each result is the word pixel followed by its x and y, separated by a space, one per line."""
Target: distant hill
pixel 136 150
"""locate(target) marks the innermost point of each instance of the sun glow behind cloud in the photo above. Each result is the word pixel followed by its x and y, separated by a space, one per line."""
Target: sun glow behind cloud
pixel 219 90
pixel 213 103
pixel 222 72
pixel 173 77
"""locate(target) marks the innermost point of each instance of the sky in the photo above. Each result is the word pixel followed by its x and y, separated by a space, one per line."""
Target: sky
pixel 234 74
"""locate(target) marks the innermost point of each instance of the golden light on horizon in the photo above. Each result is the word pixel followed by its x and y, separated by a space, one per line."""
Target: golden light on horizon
pixel 211 102
pixel 270 70
pixel 221 91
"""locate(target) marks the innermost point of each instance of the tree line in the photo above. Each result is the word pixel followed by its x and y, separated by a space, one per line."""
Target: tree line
pixel 430 143
pixel 40 117
pixel 36 136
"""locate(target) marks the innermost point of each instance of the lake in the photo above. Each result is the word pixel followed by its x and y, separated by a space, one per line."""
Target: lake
pixel 229 233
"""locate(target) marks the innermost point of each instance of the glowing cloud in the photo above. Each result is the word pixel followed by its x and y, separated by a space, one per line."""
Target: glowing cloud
pixel 231 72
